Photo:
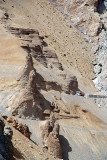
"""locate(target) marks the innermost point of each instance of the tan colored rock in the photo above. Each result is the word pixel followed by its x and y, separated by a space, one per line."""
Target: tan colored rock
pixel 38 48
pixel 9 119
pixel 20 127
pixel 56 130
pixel 50 137
pixel 52 59
pixel 52 120
pixel 24 76
pixel 45 133
pixel 31 103
pixel 54 146
pixel 59 106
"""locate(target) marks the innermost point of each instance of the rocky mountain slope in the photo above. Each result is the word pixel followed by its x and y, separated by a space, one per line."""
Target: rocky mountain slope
pixel 90 17
pixel 46 57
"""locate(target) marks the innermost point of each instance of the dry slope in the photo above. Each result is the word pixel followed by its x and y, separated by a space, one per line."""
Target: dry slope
pixel 83 127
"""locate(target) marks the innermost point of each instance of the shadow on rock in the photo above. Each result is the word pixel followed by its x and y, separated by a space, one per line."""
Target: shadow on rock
pixel 47 85
pixel 17 154
pixel 65 147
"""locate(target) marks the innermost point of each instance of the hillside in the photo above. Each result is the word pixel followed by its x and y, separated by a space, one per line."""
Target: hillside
pixel 45 59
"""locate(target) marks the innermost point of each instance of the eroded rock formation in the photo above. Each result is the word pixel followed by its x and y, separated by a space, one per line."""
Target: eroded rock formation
pixel 37 47
pixel 24 76
pixel 39 50
pixel 20 127
pixel 59 106
pixel 57 80
pixel 29 103
pixel 52 59
pixel 50 137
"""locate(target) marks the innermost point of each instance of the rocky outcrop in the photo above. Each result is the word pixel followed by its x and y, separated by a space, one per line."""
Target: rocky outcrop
pixel 6 147
pixel 30 103
pixel 50 137
pixel 59 106
pixel 19 126
pixel 24 76
pixel 68 82
pixel 52 59
pixel 37 47
pixel 61 81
